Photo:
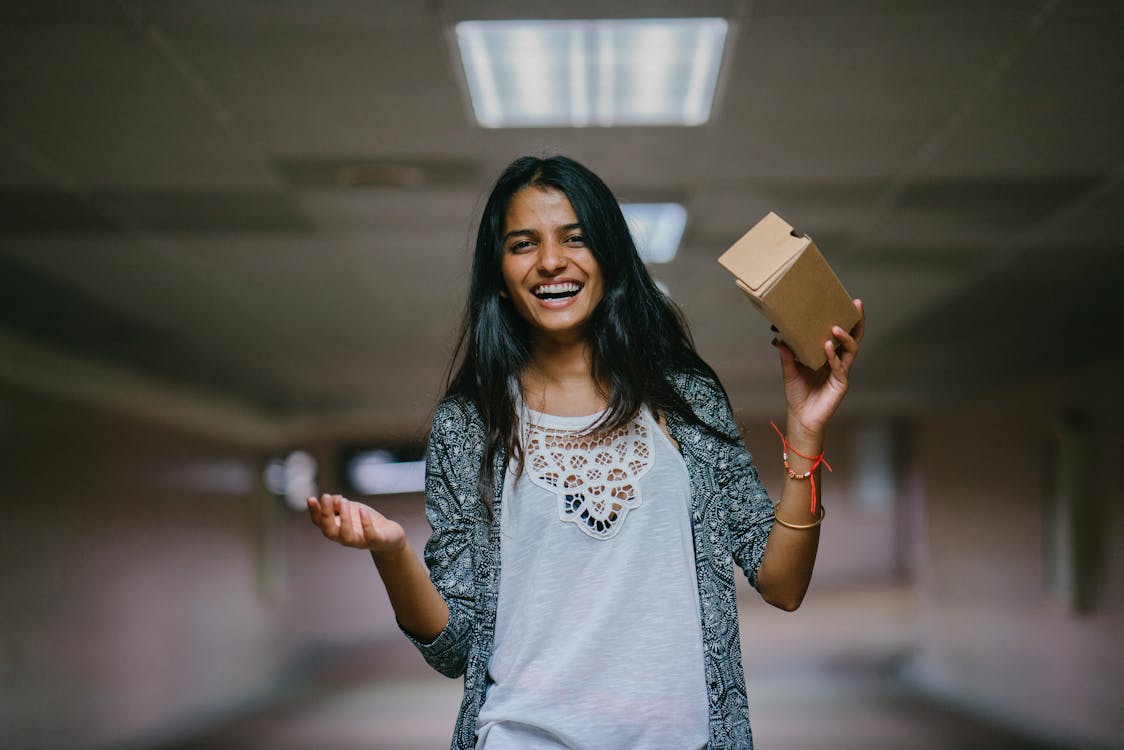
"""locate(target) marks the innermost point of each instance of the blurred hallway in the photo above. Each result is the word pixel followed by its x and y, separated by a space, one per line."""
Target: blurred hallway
pixel 826 681
pixel 155 598
pixel 236 233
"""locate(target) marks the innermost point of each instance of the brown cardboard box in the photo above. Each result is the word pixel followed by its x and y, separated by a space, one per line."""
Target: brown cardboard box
pixel 788 280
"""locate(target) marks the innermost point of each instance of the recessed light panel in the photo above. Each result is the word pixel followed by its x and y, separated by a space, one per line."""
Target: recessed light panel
pixel 652 71
pixel 656 229
pixel 380 472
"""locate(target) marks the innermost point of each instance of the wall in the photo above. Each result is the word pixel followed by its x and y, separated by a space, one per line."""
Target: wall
pixel 149 585
pixel 998 635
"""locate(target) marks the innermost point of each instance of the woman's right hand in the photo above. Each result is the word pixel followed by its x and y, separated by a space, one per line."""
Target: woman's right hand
pixel 356 525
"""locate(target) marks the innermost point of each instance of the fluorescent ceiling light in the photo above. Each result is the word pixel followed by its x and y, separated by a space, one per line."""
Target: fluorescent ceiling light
pixel 656 229
pixel 293 478
pixel 649 71
pixel 379 472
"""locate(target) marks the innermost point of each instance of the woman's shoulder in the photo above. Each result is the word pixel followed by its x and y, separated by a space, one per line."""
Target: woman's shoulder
pixel 706 397
pixel 696 387
pixel 455 413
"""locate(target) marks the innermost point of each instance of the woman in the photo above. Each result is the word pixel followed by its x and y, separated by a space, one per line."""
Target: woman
pixel 589 494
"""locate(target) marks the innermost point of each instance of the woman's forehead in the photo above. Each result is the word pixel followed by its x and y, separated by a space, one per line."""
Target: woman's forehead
pixel 534 205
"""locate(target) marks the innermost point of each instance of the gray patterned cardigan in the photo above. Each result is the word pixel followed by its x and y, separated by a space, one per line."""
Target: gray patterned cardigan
pixel 730 518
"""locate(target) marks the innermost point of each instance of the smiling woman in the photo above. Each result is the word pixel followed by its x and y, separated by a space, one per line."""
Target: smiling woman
pixel 550 273
pixel 589 494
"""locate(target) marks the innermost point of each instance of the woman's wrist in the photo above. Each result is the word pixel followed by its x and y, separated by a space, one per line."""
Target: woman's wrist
pixel 392 556
pixel 803 440
pixel 803 456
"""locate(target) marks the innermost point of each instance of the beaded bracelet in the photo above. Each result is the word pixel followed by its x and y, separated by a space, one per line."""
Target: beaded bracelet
pixel 809 475
pixel 812 525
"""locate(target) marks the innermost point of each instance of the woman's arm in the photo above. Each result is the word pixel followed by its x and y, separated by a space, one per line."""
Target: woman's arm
pixel 790 554
pixel 812 398
pixel 418 606
pixel 436 611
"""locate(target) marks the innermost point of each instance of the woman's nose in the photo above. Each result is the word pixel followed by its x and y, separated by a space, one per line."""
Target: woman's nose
pixel 552 258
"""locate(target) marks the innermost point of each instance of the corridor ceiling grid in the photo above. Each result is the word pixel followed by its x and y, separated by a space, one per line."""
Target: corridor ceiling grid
pixel 256 217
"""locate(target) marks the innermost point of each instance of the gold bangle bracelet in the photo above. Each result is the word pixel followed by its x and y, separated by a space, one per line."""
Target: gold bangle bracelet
pixel 798 526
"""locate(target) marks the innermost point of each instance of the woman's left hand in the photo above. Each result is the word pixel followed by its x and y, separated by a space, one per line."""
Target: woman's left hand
pixel 814 395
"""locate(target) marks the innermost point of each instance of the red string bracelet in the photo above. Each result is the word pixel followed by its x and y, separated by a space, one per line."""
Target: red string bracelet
pixel 809 475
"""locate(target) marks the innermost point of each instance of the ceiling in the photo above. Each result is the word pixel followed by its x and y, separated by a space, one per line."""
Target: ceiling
pixel 174 241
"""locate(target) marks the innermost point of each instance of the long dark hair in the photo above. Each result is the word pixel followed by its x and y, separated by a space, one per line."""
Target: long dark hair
pixel 633 317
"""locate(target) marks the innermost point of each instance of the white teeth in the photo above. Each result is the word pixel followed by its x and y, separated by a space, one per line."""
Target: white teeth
pixel 557 288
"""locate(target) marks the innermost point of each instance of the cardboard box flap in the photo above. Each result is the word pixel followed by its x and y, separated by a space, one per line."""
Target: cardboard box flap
pixel 773 248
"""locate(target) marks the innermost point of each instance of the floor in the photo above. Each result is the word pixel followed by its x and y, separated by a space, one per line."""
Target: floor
pixel 827 679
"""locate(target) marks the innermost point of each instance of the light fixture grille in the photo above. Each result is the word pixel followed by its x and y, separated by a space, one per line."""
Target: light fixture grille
pixel 592 72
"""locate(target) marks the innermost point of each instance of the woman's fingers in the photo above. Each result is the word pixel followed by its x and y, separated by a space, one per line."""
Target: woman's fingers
pixel 849 341
pixel 840 355
pixel 358 524
pixel 789 370
pixel 847 345
pixel 344 520
pixel 835 359
pixel 860 327
pixel 324 514
pixel 314 510
pixel 367 518
pixel 329 516
pixel 359 534
pixel 351 533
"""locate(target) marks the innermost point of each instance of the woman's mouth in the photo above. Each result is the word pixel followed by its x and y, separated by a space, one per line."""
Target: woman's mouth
pixel 558 291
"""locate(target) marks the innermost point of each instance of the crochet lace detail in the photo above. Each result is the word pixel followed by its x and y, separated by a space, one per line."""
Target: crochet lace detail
pixel 596 477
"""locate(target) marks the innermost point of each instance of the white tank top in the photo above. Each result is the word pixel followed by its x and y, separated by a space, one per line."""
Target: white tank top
pixel 598 643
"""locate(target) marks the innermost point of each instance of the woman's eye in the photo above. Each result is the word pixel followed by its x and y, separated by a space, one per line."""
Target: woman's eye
pixel 521 245
pixel 575 239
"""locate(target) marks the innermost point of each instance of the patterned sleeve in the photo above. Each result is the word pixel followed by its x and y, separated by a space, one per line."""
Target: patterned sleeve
pixel 750 512
pixel 747 510
pixel 451 506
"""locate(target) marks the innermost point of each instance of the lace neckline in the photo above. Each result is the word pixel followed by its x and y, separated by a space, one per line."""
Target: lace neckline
pixel 554 421
pixel 595 477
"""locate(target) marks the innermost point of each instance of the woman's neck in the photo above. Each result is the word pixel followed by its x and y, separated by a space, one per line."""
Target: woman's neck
pixel 560 381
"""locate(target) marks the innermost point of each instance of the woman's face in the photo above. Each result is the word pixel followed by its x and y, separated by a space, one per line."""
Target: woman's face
pixel 549 271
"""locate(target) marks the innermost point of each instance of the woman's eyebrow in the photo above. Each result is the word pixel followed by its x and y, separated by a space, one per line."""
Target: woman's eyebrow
pixel 518 232
pixel 532 232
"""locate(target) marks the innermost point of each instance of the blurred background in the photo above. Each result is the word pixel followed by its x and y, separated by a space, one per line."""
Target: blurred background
pixel 234 243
